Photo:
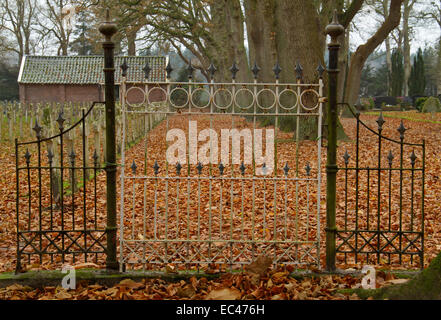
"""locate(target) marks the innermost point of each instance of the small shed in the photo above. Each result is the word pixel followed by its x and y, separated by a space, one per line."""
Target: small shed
pixel 80 78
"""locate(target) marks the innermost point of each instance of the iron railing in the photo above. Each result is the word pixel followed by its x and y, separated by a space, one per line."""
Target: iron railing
pixel 383 212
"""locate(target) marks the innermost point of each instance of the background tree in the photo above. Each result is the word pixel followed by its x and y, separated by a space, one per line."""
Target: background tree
pixel 83 42
pixel 8 78
pixel 396 77
pixel 406 25
pixel 18 19
pixel 430 57
pixel 360 56
pixel 55 23
pixel 417 80
pixel 374 83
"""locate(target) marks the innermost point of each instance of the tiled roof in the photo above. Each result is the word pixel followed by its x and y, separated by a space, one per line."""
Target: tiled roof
pixel 87 69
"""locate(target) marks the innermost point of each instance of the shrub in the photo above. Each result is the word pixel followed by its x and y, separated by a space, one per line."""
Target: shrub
pixel 372 103
pixel 420 102
pixel 432 105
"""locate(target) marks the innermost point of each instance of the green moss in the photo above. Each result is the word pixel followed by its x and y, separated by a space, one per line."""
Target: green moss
pixel 425 286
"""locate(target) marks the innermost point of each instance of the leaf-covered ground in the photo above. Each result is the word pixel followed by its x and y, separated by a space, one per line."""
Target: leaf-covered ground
pixel 286 288
pixel 275 285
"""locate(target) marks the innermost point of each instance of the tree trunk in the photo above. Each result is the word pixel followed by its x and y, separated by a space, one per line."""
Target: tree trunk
pixel 274 34
pixel 228 34
pixel 131 37
pixel 388 63
pixel 343 64
pixel 260 19
pixel 406 46
pixel 439 68
pixel 359 58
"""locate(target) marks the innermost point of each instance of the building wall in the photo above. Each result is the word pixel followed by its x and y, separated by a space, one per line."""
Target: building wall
pixel 40 93
pixel 35 93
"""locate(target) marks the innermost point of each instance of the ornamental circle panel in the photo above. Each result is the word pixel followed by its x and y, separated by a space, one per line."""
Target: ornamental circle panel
pixel 200 98
pixel 261 100
pixel 222 99
pixel 241 96
pixel 156 94
pixel 137 92
pixel 314 94
pixel 288 99
pixel 179 98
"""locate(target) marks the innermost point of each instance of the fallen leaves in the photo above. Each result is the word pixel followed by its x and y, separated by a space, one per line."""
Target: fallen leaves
pixel 273 285
pixel 224 294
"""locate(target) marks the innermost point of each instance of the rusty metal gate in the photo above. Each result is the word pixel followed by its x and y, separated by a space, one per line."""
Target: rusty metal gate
pixel 200 192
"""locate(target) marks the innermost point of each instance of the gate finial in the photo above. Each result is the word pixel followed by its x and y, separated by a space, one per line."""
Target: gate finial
pixel 390 158
pixel 299 71
pixel 413 158
pixel 277 70
pixel 402 129
pixel 286 169
pixel 212 70
pixel 335 29
pixel 380 121
pixel 124 67
pixel 190 70
pixel 221 168
pixel 169 70
pixel 147 70
pixel 108 28
pixel 321 70
pixel 178 168
pixel 234 70
pixel 255 70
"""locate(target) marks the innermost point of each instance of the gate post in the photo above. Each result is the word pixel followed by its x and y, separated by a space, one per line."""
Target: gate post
pixel 334 30
pixel 108 29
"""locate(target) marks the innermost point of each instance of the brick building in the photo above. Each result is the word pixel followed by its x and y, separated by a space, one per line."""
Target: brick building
pixel 81 78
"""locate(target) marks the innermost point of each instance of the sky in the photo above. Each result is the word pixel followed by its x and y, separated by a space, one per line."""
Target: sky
pixel 365 23
pixel 424 33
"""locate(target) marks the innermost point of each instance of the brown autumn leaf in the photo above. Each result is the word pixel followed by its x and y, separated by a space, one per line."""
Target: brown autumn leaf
pixel 63 295
pixel 186 292
pixel 224 294
pixel 129 283
pixel 260 266
pixel 86 265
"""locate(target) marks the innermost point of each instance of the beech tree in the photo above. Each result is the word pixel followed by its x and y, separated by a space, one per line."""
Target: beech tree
pixel 360 56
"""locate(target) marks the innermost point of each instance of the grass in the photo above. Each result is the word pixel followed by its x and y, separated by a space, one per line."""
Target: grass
pixel 400 115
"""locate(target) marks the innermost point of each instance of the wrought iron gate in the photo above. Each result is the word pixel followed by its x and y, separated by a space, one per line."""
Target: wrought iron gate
pixel 382 206
pixel 56 195
pixel 221 210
